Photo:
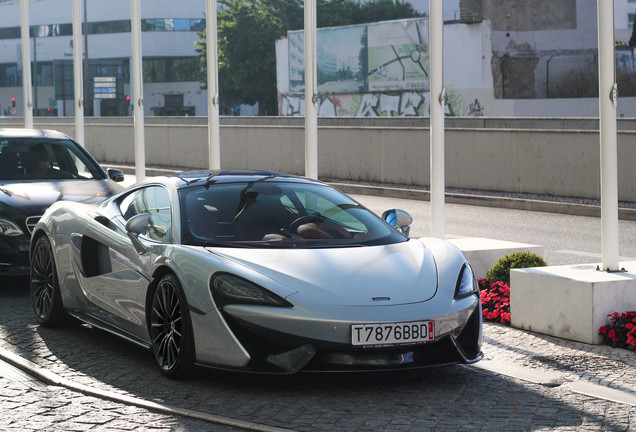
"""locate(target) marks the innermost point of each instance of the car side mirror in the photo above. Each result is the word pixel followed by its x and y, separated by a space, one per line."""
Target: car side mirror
pixel 398 219
pixel 135 226
pixel 115 174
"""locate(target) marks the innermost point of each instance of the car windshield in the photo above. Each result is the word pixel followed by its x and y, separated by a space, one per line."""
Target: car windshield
pixel 278 214
pixel 37 159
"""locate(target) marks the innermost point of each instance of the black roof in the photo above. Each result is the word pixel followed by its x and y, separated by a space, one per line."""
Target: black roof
pixel 233 176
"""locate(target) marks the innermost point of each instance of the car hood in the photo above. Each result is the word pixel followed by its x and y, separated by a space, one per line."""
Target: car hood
pixel 34 198
pixel 362 276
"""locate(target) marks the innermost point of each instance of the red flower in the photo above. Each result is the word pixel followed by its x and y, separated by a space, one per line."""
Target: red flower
pixel 603 330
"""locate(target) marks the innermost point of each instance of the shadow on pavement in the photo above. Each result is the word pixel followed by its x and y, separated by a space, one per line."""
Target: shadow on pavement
pixel 440 397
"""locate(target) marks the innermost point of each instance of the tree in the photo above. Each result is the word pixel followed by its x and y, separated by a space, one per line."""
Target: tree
pixel 247 33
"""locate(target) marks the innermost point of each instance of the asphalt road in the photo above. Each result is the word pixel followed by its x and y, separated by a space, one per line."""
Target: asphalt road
pixel 566 239
pixel 448 398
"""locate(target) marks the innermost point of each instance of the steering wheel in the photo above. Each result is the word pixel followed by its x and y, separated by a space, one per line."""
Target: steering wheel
pixel 301 221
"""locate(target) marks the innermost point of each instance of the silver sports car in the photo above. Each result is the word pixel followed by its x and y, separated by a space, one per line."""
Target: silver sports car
pixel 255 271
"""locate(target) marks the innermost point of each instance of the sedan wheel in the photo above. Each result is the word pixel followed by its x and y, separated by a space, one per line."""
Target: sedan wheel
pixel 45 289
pixel 170 329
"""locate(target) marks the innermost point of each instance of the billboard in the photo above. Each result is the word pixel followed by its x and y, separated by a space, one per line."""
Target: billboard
pixel 385 56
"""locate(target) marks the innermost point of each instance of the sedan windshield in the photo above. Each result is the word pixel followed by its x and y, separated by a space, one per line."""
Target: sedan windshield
pixel 278 214
pixel 23 159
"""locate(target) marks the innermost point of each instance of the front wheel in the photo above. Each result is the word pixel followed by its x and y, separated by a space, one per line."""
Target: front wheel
pixel 45 289
pixel 171 329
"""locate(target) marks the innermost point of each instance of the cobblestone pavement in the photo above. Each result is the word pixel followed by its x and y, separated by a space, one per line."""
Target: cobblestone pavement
pixel 449 398
pixel 32 407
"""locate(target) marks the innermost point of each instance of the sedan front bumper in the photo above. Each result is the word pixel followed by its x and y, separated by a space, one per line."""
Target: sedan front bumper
pixel 14 255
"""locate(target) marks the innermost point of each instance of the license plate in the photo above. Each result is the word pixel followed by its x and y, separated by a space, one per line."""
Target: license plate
pixel 392 333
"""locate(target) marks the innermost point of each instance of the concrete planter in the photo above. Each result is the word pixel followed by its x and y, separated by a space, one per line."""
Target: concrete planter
pixel 570 302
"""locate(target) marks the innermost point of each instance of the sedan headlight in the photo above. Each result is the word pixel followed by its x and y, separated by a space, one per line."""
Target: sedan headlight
pixel 229 289
pixel 9 228
pixel 466 283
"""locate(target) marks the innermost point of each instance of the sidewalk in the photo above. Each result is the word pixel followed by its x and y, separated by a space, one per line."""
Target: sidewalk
pixel 561 368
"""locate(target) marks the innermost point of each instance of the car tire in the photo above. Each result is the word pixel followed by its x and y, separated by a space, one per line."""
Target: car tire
pixel 170 328
pixel 45 289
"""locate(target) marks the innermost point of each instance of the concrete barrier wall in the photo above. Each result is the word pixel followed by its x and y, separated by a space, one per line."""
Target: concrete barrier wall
pixel 542 156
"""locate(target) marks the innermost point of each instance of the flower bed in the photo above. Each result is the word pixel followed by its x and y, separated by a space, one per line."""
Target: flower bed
pixel 495 301
pixel 621 330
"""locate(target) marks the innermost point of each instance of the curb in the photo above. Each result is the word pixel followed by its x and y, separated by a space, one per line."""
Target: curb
pixel 53 379
pixel 555 379
pixel 452 198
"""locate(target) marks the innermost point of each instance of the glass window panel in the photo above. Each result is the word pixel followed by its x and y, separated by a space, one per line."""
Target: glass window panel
pixel 182 25
pixel 197 24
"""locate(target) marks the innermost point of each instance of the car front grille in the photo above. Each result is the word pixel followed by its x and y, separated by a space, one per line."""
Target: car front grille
pixel 31 221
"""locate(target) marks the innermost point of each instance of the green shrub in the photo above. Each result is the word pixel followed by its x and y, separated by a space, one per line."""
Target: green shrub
pixel 500 271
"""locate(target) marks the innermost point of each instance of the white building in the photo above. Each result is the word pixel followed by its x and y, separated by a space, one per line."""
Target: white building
pixel 169 30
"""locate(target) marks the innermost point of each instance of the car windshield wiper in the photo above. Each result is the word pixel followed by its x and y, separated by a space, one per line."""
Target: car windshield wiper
pixel 330 245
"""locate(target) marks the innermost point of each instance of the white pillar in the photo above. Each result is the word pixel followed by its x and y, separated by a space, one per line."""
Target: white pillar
pixel 138 96
pixel 607 124
pixel 26 64
pixel 311 92
pixel 214 140
pixel 78 83
pixel 437 95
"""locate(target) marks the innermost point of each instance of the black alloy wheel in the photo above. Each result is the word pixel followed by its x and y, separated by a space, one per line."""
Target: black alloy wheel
pixel 170 329
pixel 45 289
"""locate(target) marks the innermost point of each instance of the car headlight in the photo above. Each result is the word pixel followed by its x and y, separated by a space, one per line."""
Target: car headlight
pixel 9 228
pixel 466 283
pixel 229 289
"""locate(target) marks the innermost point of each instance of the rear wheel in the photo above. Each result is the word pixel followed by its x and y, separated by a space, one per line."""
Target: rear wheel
pixel 45 289
pixel 171 329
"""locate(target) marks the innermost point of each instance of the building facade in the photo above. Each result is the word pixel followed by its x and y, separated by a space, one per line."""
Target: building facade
pixel 501 58
pixel 170 62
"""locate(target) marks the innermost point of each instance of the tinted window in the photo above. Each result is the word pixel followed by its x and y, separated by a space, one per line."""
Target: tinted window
pixel 23 159
pixel 155 201
pixel 278 214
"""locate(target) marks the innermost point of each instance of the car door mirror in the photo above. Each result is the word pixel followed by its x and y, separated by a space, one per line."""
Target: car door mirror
pixel 135 226
pixel 115 174
pixel 399 219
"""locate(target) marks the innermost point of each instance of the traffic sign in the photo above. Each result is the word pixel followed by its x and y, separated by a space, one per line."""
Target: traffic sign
pixel 13 111
pixel 105 87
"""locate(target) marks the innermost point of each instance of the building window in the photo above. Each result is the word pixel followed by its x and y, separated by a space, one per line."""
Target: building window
pixel 10 33
pixel 9 75
pixel 171 69
pixel 172 24
pixel 106 27
pixel 44 75
pixel 630 20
